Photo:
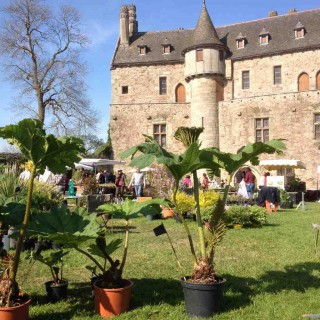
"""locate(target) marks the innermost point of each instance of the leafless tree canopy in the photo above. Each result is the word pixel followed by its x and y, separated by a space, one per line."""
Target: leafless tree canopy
pixel 41 55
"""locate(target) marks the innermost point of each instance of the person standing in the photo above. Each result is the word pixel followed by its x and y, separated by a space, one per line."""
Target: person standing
pixel 205 182
pixel 138 182
pixel 120 183
pixel 249 180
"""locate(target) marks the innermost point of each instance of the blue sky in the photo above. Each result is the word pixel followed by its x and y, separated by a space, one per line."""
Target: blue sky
pixel 101 23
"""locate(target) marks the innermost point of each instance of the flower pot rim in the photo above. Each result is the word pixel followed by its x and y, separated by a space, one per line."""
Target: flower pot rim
pixel 16 307
pixel 128 283
pixel 58 285
pixel 185 281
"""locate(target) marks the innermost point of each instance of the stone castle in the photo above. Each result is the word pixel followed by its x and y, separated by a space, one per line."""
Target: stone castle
pixel 251 81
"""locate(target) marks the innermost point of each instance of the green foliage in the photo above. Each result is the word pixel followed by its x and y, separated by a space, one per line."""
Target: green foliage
pixel 45 196
pixel 53 260
pixel 246 216
pixel 90 185
pixel 284 196
pixel 184 203
pixel 41 151
pixel 71 228
pixel 9 184
pixel 130 209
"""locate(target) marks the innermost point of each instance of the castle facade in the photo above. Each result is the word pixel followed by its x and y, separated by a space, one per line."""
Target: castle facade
pixel 251 81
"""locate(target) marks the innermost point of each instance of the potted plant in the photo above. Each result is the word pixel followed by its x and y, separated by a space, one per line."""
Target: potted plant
pixel 41 150
pixel 56 288
pixel 203 282
pixel 77 227
pixel 112 293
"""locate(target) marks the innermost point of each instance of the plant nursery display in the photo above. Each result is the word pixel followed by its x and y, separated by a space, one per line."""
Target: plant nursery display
pixel 41 150
pixel 203 280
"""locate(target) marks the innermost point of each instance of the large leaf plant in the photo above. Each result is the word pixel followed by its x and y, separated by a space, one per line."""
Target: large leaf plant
pixel 42 151
pixel 85 233
pixel 192 159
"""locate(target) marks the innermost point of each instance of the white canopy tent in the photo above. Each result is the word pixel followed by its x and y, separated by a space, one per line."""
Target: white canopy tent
pixel 100 162
pixel 146 169
pixel 94 163
pixel 281 164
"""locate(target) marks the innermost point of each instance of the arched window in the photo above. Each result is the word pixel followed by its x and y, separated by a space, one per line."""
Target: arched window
pixel 303 82
pixel 318 81
pixel 180 93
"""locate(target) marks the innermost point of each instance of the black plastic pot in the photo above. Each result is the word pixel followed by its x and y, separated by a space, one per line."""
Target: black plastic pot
pixel 56 293
pixel 202 300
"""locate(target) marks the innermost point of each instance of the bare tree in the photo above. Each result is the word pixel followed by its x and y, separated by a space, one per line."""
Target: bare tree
pixel 41 56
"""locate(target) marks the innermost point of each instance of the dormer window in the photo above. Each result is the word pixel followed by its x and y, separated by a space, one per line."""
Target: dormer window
pixel 299 31
pixel 241 41
pixel 142 49
pixel 166 48
pixel 264 37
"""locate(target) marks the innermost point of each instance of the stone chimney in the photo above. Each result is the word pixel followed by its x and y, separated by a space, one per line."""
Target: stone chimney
pixel 273 13
pixel 133 24
pixel 292 11
pixel 124 25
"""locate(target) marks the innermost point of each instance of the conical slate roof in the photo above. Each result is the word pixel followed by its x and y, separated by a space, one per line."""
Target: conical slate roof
pixel 205 33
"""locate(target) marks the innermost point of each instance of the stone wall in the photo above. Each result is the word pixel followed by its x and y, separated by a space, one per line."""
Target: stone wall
pixel 261 74
pixel 291 117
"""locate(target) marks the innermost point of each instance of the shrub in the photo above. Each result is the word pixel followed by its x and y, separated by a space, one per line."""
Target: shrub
pixel 246 216
pixel 45 196
pixel 208 201
pixel 185 202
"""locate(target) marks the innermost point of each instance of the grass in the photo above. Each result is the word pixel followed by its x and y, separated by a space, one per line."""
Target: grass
pixel 271 272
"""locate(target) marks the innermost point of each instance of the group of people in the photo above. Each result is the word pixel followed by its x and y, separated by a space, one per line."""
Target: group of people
pixel 204 184
pixel 137 182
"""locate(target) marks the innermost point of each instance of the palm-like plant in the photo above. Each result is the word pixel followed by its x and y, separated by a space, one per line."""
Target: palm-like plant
pixel 193 159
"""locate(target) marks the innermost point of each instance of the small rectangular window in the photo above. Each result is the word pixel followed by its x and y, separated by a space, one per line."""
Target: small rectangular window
pixel 163 85
pixel 199 54
pixel 317 126
pixel 240 44
pixel 166 49
pixel 142 50
pixel 245 80
pixel 159 134
pixel 277 75
pixel 264 39
pixel 262 129
pixel 125 89
pixel 299 33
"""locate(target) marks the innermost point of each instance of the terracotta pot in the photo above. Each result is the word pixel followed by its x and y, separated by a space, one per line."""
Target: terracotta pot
pixel 167 213
pixel 16 313
pixel 112 302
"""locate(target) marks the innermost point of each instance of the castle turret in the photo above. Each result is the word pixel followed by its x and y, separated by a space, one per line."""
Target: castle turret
pixel 124 25
pixel 205 70
pixel 133 24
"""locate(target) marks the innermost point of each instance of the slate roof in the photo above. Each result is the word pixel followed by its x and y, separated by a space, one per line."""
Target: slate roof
pixel 204 34
pixel 281 40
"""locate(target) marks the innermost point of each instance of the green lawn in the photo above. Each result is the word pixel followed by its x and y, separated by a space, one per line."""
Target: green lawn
pixel 272 272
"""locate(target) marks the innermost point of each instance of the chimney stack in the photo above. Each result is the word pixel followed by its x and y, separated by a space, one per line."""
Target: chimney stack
pixel 133 25
pixel 273 13
pixel 292 11
pixel 124 25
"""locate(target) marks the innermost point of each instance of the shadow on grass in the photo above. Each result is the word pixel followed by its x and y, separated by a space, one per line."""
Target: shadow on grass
pixel 238 292
pixel 79 298
pixel 154 291
pixel 297 277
